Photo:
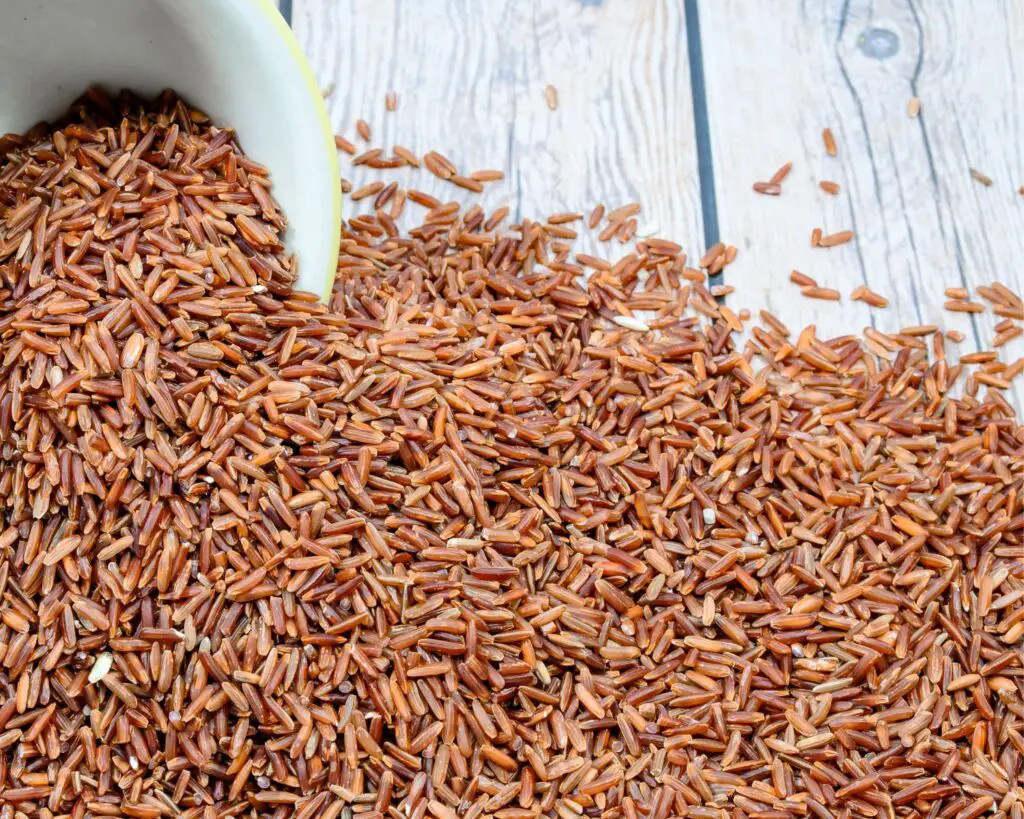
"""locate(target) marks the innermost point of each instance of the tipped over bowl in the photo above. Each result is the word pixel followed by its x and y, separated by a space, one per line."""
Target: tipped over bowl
pixel 237 60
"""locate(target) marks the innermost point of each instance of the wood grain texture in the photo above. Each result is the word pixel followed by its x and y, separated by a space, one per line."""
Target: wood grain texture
pixel 971 116
pixel 470 80
pixel 791 69
pixel 471 77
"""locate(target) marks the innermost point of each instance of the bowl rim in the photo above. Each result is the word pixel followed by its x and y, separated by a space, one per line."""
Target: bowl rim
pixel 273 15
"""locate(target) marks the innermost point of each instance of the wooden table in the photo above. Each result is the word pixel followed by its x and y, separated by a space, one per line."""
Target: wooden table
pixel 682 104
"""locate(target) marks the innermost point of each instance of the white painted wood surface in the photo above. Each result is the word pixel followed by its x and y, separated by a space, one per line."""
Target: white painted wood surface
pixel 470 76
pixel 791 69
pixel 975 118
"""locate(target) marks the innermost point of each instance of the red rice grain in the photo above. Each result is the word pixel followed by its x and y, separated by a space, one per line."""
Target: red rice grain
pixel 869 296
pixel 479 537
pixel 781 174
pixel 830 142
pixel 551 96
pixel 978 176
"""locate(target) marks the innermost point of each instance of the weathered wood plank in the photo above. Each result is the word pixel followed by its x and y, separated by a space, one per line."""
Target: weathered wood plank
pixel 778 73
pixel 971 116
pixel 471 77
pixel 787 73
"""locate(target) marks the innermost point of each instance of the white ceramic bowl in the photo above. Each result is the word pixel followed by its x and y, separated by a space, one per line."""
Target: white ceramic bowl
pixel 236 60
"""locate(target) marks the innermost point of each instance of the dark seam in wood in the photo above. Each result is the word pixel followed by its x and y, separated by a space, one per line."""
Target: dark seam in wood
pixel 931 167
pixel 910 236
pixel 860 253
pixel 867 140
pixel 702 129
pixel 857 102
pixel 508 164
pixel 517 211
pixel 396 52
